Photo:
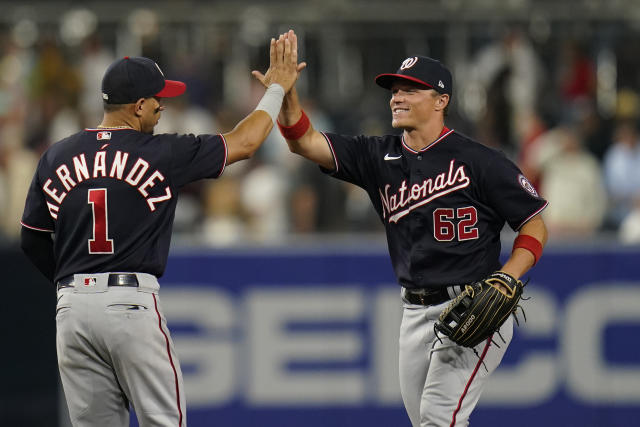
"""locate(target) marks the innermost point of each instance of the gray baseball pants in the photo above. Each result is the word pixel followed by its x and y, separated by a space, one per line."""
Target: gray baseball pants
pixel 441 382
pixel 114 350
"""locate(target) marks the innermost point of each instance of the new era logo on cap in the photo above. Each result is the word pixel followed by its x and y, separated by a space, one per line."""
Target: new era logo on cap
pixel 423 70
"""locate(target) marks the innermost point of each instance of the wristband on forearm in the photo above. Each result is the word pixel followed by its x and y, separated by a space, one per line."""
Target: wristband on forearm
pixel 271 102
pixel 529 243
pixel 297 130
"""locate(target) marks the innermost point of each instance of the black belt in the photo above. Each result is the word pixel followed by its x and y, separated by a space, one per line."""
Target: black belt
pixel 427 296
pixel 115 279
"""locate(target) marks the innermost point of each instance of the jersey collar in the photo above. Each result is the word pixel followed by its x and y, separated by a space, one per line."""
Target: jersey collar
pixel 445 132
pixel 108 129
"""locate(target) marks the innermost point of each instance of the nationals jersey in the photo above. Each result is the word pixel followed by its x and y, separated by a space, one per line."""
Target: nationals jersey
pixel 110 195
pixel 442 207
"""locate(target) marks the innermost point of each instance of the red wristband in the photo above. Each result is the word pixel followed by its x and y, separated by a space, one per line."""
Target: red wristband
pixel 529 243
pixel 297 130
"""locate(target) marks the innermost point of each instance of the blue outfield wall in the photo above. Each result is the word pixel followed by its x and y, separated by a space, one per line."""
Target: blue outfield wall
pixel 309 338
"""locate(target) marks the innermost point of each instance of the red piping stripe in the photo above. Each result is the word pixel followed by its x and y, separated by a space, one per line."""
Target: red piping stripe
pixel 224 142
pixel 532 215
pixel 175 373
pixel 473 375
pixel 335 158
pixel 36 228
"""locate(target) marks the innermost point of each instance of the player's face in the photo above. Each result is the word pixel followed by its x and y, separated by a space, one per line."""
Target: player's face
pixel 151 111
pixel 411 104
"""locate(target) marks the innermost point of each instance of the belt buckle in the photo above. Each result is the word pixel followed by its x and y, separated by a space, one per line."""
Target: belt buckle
pixel 428 297
pixel 122 279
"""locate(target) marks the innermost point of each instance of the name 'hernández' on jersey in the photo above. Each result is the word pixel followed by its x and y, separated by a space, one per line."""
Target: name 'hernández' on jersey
pixel 110 195
pixel 136 172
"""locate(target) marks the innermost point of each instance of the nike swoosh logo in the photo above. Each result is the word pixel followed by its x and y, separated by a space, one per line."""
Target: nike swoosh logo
pixel 388 157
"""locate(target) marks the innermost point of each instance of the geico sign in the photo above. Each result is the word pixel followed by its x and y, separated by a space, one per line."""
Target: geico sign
pixel 250 347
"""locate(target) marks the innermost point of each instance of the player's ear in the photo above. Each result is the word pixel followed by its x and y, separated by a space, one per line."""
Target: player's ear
pixel 138 106
pixel 442 101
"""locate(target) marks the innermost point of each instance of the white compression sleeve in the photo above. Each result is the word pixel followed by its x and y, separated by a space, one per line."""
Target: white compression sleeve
pixel 272 101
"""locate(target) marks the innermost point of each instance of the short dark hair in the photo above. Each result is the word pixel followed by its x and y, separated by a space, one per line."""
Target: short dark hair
pixel 110 108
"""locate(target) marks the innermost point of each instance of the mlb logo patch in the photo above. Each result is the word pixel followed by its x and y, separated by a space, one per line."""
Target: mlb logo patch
pixel 90 281
pixel 103 135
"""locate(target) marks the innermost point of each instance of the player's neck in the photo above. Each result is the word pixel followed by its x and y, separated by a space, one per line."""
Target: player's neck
pixel 420 137
pixel 118 121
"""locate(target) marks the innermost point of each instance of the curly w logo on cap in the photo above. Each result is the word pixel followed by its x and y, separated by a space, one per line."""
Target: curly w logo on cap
pixel 423 70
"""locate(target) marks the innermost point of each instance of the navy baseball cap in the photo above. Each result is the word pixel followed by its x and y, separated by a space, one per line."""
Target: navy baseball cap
pixel 423 70
pixel 131 78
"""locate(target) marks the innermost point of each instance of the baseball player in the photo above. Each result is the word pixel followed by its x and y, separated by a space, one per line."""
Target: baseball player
pixel 108 195
pixel 443 199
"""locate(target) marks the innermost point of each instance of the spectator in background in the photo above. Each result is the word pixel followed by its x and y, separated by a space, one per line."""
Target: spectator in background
pixel 16 163
pixel 224 218
pixel 576 72
pixel 576 79
pixel 312 205
pixel 622 172
pixel 223 222
pixel 571 180
pixel 629 231
pixel 95 59
pixel 16 159
pixel 510 72
pixel 595 130
pixel 534 127
pixel 54 85
pixel 263 194
pixel 183 117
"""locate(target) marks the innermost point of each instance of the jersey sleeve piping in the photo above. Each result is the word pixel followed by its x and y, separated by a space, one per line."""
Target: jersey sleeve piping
pixel 333 152
pixel 531 216
pixel 224 163
pixel 36 228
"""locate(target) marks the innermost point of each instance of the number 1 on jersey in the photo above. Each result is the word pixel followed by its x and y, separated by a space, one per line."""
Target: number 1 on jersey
pixel 100 243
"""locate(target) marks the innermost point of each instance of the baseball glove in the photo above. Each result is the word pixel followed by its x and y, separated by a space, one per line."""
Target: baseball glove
pixel 479 311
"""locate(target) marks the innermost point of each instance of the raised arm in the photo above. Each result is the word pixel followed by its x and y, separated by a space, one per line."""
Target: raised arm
pixel 311 144
pixel 302 138
pixel 247 136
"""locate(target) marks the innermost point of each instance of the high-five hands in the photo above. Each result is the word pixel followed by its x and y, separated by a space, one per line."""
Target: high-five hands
pixel 283 62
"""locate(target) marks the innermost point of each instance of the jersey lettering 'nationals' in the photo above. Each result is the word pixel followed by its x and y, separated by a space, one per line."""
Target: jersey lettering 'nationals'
pixel 401 203
pixel 442 204
pixel 97 181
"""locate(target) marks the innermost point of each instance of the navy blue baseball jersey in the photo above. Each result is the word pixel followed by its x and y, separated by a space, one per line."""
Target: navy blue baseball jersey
pixel 110 195
pixel 443 207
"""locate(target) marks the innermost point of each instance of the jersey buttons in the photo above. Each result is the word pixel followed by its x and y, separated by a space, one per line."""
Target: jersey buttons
pixel 419 157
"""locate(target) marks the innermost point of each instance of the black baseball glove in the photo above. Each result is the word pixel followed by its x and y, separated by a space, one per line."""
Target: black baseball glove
pixel 479 311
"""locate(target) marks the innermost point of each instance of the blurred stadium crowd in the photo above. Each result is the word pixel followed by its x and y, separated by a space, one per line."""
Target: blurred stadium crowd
pixel 564 104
